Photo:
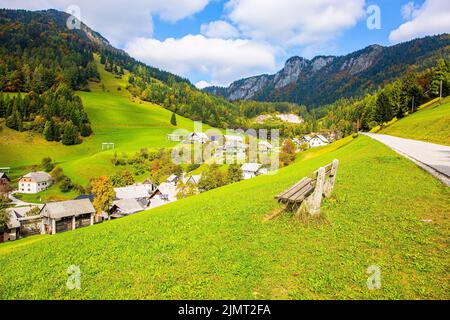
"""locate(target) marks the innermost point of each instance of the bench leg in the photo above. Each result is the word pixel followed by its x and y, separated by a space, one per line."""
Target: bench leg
pixel 311 205
pixel 329 184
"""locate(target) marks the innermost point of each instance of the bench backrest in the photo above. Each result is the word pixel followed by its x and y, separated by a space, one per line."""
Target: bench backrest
pixel 305 187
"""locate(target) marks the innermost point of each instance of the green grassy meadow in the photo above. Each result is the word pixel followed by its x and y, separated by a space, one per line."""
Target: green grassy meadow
pixel 431 124
pixel 218 245
pixel 115 117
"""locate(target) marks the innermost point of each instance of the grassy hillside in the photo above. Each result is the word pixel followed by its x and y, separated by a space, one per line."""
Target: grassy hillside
pixel 430 124
pixel 115 117
pixel 219 245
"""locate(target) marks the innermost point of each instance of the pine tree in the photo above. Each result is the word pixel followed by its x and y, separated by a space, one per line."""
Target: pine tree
pixel 49 131
pixel 70 134
pixel 173 120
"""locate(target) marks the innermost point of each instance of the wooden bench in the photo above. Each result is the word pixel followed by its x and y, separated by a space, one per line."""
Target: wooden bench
pixel 306 195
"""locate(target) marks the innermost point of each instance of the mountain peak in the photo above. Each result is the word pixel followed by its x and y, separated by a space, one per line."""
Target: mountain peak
pixel 323 79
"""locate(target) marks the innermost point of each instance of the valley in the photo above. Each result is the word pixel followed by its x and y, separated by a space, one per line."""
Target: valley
pixel 310 191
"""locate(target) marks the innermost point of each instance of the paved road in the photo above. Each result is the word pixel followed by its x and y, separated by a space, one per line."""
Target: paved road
pixel 19 203
pixel 432 157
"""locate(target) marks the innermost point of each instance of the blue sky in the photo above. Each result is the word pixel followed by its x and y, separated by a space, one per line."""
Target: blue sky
pixel 219 41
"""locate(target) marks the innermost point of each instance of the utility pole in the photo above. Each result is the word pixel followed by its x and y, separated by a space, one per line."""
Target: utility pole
pixel 440 95
pixel 412 105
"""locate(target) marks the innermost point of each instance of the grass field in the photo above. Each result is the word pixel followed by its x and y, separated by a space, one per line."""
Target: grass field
pixel 115 117
pixel 431 123
pixel 218 245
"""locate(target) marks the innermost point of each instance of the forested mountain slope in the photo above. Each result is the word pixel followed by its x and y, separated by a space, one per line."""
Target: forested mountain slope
pixel 325 79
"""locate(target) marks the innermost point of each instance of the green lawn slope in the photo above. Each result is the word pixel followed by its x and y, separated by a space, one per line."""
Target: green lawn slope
pixel 218 245
pixel 431 123
pixel 115 117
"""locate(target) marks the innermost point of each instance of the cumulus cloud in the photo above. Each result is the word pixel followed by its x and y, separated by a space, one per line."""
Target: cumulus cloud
pixel 433 17
pixel 220 60
pixel 118 21
pixel 293 22
pixel 219 29
pixel 202 84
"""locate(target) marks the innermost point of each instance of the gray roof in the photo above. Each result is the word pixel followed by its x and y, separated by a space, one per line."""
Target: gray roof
pixel 321 137
pixel 56 210
pixel 13 219
pixel 194 179
pixel 128 206
pixel 3 175
pixel 251 167
pixel 166 189
pixel 172 178
pixel 39 176
pixel 200 135
pixel 132 192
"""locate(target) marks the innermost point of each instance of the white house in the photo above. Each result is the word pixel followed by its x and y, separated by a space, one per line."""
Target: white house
pixel 35 182
pixel 197 137
pixel 251 170
pixel 318 141
pixel 265 147
pixel 234 139
pixel 163 194
pixel 175 137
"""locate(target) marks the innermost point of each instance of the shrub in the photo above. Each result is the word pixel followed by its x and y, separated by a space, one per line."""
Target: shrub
pixel 47 164
pixel 57 174
pixel 66 185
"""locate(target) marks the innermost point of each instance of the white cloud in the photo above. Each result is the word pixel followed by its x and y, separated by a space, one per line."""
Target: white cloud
pixel 202 84
pixel 408 10
pixel 220 60
pixel 119 21
pixel 433 17
pixel 219 29
pixel 294 22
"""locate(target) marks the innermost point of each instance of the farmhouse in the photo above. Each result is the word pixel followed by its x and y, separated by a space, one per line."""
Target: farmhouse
pixel 175 137
pixel 35 182
pixel 197 137
pixel 20 224
pixel 318 141
pixel 66 215
pixel 125 207
pixel 4 183
pixel 251 170
pixel 12 230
